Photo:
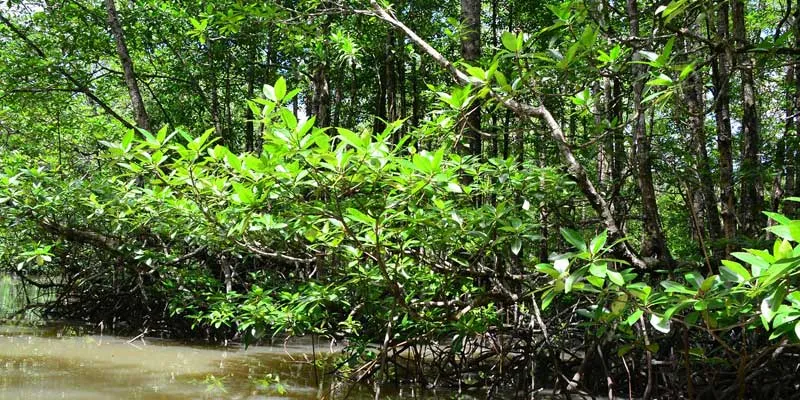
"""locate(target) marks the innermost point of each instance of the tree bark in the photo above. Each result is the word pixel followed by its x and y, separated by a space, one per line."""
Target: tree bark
pixel 353 94
pixel 750 205
pixel 471 53
pixel 139 111
pixel 792 187
pixel 693 96
pixel 722 114
pixel 783 169
pixel 654 243
pixel 619 154
pixel 249 127
pixel 321 96
pixel 379 123
pixel 216 117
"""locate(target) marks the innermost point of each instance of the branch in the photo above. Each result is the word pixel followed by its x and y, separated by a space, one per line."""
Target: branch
pixel 81 87
pixel 272 254
pixel 106 242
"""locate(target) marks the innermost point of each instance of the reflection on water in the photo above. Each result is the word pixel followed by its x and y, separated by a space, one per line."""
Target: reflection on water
pixel 46 364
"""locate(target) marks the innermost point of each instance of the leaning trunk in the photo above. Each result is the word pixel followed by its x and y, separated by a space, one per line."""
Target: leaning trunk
pixel 139 111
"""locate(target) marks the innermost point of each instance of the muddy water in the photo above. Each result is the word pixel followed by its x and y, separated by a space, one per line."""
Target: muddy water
pixel 60 363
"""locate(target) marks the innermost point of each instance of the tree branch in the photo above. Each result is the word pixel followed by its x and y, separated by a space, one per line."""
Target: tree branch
pixel 80 86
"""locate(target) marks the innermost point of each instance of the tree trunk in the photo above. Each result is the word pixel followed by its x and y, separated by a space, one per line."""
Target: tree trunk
pixel 792 187
pixel 249 131
pixel 653 241
pixel 139 111
pixel 722 114
pixel 390 79
pixel 693 96
pixel 400 68
pixel 416 104
pixel 353 94
pixel 216 115
pixel 782 168
pixel 338 101
pixel 233 143
pixel 380 98
pixel 321 96
pixel 619 155
pixel 471 53
pixel 750 205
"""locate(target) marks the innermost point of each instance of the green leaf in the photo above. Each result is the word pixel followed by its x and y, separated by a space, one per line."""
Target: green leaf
pixel 574 238
pixel 640 290
pixel 501 80
pixel 779 218
pixel 588 36
pixel 598 269
pixel 615 277
pixel 422 163
pixel 709 283
pixel 350 137
pixel 359 216
pixel 694 278
pixel 509 41
pixel 660 324
pixel 663 59
pixel 516 246
pixel 598 242
pixel 280 89
pixel 127 140
pixel 789 230
pixel 782 249
pixel 770 304
pixel 242 194
pixel 661 80
pixel 596 281
pixel 234 161
pixel 547 298
pixel 797 329
pixel 548 269
pixel 758 263
pixel 688 69
pixel 649 55
pixel 570 281
pixel 269 93
pixel 561 265
pixel 672 10
pixel 675 287
pixel 731 271
pixel 454 187
pixel 634 317
pixel 477 73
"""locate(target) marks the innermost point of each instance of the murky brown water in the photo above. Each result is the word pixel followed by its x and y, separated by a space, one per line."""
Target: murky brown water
pixel 55 363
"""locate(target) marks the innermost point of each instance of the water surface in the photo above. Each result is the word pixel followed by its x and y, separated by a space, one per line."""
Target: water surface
pixel 58 363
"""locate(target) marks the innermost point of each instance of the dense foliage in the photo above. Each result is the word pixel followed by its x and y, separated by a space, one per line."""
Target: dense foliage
pixel 521 209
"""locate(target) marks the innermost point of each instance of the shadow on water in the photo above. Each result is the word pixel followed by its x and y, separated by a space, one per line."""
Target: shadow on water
pixel 60 361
